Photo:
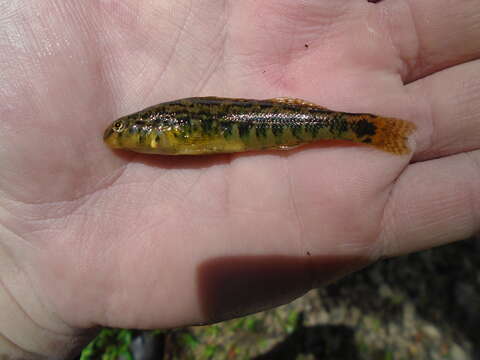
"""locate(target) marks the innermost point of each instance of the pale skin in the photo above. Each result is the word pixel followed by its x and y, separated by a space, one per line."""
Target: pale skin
pixel 90 237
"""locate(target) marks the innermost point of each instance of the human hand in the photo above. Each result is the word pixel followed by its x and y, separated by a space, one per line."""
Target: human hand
pixel 91 238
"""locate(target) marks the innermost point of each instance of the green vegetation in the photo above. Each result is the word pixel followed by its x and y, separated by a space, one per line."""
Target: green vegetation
pixel 110 344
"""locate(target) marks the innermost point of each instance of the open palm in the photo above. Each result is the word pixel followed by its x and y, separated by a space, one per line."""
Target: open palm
pixel 93 237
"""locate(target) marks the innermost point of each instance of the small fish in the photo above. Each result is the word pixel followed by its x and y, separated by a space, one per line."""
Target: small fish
pixel 212 125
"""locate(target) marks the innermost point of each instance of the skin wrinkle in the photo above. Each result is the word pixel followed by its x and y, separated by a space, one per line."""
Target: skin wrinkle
pixel 416 59
pixel 301 228
pixel 104 73
pixel 327 14
pixel 64 14
pixel 387 225
pixel 16 348
pixel 391 234
pixel 185 196
pixel 81 200
pixel 110 65
pixel 213 65
pixel 281 71
pixel 224 34
pixel 283 63
pixel 410 63
pixel 24 241
pixel 167 184
pixel 53 314
pixel 384 12
pixel 431 126
pixel 139 70
pixel 228 189
pixel 446 133
pixel 287 67
pixel 428 116
pixel 424 66
pixel 295 57
pixel 289 59
pixel 151 89
pixel 9 10
pixel 385 243
pixel 467 134
pixel 377 251
pixel 27 316
pixel 22 310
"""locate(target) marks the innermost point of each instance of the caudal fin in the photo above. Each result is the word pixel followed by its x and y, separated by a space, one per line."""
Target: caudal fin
pixel 391 135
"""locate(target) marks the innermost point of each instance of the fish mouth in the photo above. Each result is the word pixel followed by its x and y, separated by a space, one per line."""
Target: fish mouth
pixel 110 138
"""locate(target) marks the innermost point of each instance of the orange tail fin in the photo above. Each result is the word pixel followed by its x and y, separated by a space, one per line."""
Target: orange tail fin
pixel 391 135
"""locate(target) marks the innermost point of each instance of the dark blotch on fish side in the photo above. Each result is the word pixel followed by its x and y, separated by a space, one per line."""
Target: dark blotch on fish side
pixel 226 128
pixel 277 130
pixel 312 129
pixel 207 123
pixel 364 128
pixel 337 125
pixel 261 131
pixel 243 129
pixel 296 131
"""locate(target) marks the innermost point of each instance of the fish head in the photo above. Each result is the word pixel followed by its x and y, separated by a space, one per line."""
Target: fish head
pixel 116 133
pixel 128 132
pixel 143 134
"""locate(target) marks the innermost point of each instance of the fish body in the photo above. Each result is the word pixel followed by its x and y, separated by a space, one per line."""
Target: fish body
pixel 209 125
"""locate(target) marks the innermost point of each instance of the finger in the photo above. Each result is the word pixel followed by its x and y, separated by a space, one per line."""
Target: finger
pixel 451 103
pixel 432 34
pixel 433 203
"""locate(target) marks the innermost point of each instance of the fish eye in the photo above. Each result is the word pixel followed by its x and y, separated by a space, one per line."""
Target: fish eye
pixel 118 126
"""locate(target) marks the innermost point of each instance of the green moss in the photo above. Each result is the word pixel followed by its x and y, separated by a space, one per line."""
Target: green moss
pixel 110 344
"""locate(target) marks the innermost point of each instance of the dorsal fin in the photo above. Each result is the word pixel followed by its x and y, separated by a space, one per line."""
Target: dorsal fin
pixel 296 101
